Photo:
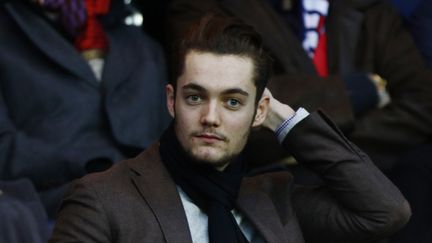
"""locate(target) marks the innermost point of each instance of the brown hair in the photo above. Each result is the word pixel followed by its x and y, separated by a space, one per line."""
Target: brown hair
pixel 221 34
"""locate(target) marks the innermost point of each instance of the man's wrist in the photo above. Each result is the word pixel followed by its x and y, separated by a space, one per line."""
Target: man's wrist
pixel 286 126
pixel 280 112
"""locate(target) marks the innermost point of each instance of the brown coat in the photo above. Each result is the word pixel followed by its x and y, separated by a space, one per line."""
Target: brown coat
pixel 137 201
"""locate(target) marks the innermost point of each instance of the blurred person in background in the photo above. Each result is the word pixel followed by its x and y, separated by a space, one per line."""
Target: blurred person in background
pixel 413 174
pixel 79 90
pixel 417 16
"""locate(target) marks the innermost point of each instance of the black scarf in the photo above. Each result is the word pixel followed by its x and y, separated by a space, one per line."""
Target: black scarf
pixel 213 191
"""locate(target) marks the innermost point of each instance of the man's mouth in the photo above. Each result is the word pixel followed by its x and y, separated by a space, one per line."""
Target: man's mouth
pixel 209 137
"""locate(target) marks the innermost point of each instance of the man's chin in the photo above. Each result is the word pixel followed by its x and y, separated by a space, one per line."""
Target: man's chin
pixel 210 159
pixel 206 160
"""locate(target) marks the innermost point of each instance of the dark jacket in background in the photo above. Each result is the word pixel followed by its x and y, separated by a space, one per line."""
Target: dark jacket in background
pixel 23 218
pixel 417 15
pixel 57 122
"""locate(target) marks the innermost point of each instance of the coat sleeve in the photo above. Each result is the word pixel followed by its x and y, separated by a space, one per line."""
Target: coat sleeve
pixel 81 217
pixel 357 203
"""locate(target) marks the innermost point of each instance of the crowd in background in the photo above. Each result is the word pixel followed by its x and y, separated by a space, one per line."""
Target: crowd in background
pixel 82 86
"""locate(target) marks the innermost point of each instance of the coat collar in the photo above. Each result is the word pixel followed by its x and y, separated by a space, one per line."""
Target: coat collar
pixel 49 41
pixel 159 191
pixel 122 58
pixel 120 61
pixel 257 207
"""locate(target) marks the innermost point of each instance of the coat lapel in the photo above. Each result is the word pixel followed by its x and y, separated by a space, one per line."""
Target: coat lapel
pixel 260 210
pixel 121 60
pixel 159 191
pixel 283 43
pixel 50 42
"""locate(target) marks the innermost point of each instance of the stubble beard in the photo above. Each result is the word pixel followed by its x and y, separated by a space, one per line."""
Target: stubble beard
pixel 221 162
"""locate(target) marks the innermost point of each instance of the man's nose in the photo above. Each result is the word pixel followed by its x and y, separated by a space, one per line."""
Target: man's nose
pixel 210 114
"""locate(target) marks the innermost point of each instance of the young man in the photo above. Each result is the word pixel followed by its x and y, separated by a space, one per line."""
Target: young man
pixel 193 185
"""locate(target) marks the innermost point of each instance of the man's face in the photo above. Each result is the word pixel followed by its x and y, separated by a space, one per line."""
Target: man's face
pixel 214 106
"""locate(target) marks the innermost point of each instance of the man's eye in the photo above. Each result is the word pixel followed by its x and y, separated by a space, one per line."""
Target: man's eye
pixel 193 99
pixel 233 103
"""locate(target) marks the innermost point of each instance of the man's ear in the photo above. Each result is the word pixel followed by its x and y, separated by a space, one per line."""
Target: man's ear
pixel 170 94
pixel 261 112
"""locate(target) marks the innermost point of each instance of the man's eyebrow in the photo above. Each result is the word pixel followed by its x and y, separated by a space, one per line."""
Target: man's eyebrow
pixel 193 87
pixel 236 91
pixel 199 88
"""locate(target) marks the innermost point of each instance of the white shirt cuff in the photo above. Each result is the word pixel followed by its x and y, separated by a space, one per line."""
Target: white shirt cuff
pixel 289 123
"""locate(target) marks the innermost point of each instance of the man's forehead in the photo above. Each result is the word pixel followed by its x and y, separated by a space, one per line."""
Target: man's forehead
pixel 207 57
pixel 217 71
